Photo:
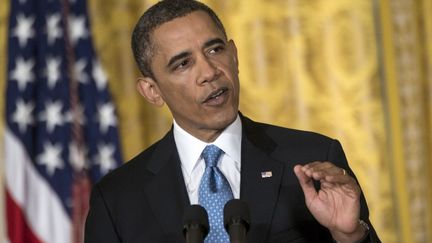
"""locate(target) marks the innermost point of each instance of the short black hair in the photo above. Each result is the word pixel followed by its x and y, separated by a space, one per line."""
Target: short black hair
pixel 157 15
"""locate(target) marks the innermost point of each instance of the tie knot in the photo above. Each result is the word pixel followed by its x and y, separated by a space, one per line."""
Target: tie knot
pixel 211 154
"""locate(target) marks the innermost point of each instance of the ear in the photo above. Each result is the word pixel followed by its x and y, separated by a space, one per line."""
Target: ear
pixel 233 48
pixel 149 89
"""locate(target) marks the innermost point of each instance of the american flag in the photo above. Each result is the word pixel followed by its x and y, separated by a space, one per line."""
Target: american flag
pixel 61 129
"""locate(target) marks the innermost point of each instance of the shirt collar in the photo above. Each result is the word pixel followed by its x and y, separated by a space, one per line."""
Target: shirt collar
pixel 190 147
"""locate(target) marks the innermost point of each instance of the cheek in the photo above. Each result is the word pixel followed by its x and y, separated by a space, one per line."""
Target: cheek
pixel 227 67
pixel 182 96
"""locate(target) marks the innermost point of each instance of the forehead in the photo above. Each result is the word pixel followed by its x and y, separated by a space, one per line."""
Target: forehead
pixel 194 28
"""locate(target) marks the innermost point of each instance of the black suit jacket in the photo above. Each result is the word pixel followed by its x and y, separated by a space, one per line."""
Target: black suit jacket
pixel 144 200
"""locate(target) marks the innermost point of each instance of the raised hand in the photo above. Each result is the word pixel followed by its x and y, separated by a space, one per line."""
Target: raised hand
pixel 336 205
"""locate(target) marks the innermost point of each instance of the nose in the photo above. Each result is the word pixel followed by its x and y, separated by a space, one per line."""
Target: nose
pixel 208 71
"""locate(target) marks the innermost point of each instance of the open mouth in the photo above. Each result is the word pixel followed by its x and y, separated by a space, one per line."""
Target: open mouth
pixel 215 95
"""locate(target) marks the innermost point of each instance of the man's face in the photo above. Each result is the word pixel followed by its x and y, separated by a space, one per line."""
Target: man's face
pixel 196 74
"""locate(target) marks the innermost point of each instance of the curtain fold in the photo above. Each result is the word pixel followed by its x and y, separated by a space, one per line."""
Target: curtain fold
pixel 405 30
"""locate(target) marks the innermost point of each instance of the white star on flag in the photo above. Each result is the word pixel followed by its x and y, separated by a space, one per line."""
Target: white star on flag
pixel 23 115
pixel 23 72
pixel 51 157
pixel 53 30
pixel 53 71
pixel 76 115
pixel 99 76
pixel 79 71
pixel 23 30
pixel 105 157
pixel 77 157
pixel 106 116
pixel 52 115
pixel 77 28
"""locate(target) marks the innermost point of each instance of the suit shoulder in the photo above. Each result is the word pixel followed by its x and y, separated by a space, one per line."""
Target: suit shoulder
pixel 281 134
pixel 292 145
pixel 284 142
pixel 121 176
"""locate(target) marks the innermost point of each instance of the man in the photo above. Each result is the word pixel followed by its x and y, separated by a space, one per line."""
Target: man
pixel 297 184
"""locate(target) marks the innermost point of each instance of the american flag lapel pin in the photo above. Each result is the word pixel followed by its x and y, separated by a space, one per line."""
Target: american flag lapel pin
pixel 266 174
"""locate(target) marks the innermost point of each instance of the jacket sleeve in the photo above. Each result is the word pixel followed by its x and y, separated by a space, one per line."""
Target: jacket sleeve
pixel 99 226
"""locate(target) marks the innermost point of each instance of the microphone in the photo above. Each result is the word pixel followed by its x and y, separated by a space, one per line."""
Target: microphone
pixel 236 220
pixel 195 224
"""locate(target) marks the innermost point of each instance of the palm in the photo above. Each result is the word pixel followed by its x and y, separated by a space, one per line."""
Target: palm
pixel 334 206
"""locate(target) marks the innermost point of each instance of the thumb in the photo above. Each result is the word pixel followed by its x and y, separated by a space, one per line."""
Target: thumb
pixel 306 183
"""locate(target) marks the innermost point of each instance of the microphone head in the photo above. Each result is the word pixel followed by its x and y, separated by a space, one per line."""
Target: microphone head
pixel 236 211
pixel 195 216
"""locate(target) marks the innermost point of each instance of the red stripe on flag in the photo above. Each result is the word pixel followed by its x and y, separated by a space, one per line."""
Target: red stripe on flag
pixel 17 228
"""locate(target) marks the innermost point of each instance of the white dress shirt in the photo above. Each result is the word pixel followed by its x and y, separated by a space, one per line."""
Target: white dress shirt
pixel 193 165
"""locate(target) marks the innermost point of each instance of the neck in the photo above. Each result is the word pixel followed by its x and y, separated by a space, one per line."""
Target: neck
pixel 208 136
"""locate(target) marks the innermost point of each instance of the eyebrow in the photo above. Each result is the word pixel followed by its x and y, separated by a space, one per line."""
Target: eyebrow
pixel 188 53
pixel 178 57
pixel 213 42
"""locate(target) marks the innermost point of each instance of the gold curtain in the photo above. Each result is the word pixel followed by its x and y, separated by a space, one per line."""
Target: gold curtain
pixel 356 70
pixel 406 55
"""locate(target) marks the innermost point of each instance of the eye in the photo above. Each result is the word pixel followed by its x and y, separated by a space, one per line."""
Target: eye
pixel 216 49
pixel 182 64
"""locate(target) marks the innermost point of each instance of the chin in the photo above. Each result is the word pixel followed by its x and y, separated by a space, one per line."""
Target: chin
pixel 223 121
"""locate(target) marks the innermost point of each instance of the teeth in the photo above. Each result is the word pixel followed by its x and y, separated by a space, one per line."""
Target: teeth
pixel 218 93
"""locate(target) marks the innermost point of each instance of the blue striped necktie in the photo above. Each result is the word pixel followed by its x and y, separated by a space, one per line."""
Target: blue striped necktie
pixel 214 192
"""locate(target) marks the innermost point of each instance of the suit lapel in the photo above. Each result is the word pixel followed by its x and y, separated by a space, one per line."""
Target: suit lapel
pixel 260 179
pixel 165 189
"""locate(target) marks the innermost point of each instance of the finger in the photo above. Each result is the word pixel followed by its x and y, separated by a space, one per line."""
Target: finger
pixel 334 171
pixel 319 170
pixel 306 182
pixel 318 165
pixel 350 182
pixel 302 177
pixel 313 169
pixel 340 179
pixel 315 165
pixel 323 166
pixel 351 190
